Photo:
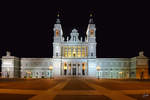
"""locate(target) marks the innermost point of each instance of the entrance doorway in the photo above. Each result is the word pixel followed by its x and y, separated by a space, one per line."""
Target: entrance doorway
pixel 83 68
pixel 74 71
pixel 65 72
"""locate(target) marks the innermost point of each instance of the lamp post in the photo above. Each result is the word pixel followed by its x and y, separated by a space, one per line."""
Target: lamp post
pixel 28 74
pixel 50 68
pixel 98 69
pixel 120 74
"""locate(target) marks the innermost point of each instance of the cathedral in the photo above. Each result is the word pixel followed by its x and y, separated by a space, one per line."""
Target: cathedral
pixel 74 56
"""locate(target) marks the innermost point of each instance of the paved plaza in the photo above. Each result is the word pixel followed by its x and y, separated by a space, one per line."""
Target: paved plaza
pixel 74 88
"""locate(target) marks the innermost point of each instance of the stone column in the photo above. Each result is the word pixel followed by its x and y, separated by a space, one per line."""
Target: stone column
pixel 86 68
pixel 62 52
pixel 67 69
pixel 81 69
pixel 76 69
pixel 71 51
pixel 62 68
pixel 85 51
pixel 67 51
pixel 77 52
pixel 71 68
pixel 81 51
pixel 85 71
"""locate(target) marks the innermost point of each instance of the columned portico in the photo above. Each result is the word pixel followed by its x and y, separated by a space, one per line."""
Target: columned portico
pixel 74 68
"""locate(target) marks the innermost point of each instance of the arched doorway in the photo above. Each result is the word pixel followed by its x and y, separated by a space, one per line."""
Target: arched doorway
pixel 74 70
pixel 65 68
pixel 83 68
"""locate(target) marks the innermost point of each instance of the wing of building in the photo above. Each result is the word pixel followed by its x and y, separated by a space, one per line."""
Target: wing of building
pixel 75 56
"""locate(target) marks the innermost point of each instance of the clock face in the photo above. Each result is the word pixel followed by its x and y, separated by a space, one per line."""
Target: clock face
pixel 92 32
pixel 57 32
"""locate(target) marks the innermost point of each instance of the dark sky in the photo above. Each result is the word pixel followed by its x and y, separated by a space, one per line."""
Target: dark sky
pixel 26 28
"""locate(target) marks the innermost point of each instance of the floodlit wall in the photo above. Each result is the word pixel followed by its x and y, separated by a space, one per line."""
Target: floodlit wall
pixel 142 66
pixel 35 67
pixel 10 67
pixel 92 68
pixel 113 68
pixel 56 67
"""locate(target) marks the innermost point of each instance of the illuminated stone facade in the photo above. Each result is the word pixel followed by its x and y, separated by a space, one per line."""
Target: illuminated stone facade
pixel 75 57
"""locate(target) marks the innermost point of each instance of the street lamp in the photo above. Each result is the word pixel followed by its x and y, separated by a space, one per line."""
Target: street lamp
pixel 28 74
pixel 50 68
pixel 98 69
pixel 120 74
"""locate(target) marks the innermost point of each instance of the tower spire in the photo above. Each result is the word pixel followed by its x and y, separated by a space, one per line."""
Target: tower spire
pixel 58 15
pixel 58 20
pixel 91 15
pixel 91 19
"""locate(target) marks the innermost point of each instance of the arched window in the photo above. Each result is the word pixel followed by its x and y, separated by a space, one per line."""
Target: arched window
pixel 57 32
pixel 65 68
pixel 92 32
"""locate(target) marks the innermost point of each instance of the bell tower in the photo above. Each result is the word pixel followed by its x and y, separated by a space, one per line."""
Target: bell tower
pixel 91 38
pixel 58 38
pixel 58 33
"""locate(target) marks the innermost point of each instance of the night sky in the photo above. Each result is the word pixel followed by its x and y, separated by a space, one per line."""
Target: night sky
pixel 26 28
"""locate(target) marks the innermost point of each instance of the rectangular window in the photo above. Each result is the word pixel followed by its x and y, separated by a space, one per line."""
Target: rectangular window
pixel 83 51
pixel 86 51
pixel 74 51
pixel 69 52
pixel 65 51
pixel 79 51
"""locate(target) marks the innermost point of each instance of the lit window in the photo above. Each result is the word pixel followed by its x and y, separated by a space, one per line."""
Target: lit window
pixel 83 52
pixel 86 51
pixel 79 51
pixel 57 32
pixel 74 51
pixel 92 32
pixel 65 66
pixel 65 51
pixel 69 52
pixel 74 55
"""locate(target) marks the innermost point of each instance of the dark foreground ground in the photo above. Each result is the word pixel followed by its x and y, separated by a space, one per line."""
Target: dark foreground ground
pixel 28 84
pixel 14 96
pixel 74 89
